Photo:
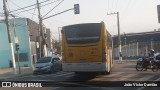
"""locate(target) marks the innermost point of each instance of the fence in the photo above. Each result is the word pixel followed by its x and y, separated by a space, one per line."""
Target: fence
pixel 137 49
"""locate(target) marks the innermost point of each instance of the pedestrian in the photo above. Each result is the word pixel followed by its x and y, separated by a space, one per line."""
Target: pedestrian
pixel 149 60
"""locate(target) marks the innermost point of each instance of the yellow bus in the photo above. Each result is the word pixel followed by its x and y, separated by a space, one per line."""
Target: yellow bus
pixel 86 47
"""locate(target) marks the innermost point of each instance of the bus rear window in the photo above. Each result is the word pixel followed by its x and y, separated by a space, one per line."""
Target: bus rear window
pixel 83 33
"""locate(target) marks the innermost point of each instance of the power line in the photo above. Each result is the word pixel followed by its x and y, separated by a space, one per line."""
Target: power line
pixel 34 12
pixel 8 7
pixel 116 5
pixel 49 3
pixel 53 36
pixel 34 7
pixel 112 5
pixel 17 15
pixel 26 11
pixel 19 6
pixel 128 4
pixel 108 6
pixel 1 13
pixel 108 11
pixel 58 13
pixel 28 6
pixel 126 9
pixel 53 8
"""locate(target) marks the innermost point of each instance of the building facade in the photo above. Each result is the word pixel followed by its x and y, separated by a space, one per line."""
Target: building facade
pixel 24 44
pixel 135 45
pixel 28 36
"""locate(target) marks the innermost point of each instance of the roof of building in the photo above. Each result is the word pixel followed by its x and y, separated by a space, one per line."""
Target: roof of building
pixel 138 37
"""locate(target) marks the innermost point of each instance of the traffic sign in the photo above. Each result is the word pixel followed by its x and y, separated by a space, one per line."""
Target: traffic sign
pixel 158 11
pixel 76 9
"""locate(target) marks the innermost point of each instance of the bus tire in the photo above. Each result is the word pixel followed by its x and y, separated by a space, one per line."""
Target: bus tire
pixel 106 72
pixel 109 69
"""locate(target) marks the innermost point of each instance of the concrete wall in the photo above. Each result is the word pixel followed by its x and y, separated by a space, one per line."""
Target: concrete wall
pixel 33 52
pixel 33 29
pixel 22 31
pixel 137 49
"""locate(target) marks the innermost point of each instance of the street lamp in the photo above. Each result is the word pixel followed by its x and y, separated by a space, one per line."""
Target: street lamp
pixel 60 28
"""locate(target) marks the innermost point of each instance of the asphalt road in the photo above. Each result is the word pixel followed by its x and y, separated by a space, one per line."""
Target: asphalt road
pixel 122 71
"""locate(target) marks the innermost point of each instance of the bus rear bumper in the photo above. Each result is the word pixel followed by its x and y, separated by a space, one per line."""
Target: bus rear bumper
pixel 85 67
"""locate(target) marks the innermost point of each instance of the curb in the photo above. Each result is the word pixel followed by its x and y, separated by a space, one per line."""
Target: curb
pixel 10 75
pixel 124 61
pixel 15 76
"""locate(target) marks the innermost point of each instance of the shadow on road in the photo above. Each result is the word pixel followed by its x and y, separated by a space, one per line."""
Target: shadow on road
pixel 129 66
pixel 83 77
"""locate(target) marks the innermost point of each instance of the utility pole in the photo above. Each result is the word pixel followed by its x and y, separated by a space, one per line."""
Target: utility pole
pixel 125 41
pixel 59 33
pixel 42 45
pixel 16 43
pixel 119 37
pixel 9 37
pixel 59 28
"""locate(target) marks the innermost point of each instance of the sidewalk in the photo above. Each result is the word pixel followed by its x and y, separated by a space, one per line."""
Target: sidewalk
pixel 6 73
pixel 126 61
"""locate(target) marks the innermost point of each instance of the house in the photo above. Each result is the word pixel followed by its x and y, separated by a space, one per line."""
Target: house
pixel 27 32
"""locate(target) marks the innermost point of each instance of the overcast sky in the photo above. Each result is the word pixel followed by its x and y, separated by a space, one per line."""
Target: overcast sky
pixel 135 15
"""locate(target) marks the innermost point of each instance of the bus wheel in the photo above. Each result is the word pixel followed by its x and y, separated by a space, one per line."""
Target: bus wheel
pixel 105 73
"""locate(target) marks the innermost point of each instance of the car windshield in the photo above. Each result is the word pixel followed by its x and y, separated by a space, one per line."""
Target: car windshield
pixel 44 60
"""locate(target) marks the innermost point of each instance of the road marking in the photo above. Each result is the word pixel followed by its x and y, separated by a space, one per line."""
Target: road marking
pixel 101 77
pixel 63 74
pixel 41 80
pixel 113 74
pixel 96 79
pixel 53 88
pixel 54 75
pixel 44 75
pixel 140 88
pixel 127 76
pixel 71 83
pixel 69 76
pixel 145 87
pixel 121 76
pixel 146 77
pixel 124 76
pixel 106 88
pixel 157 79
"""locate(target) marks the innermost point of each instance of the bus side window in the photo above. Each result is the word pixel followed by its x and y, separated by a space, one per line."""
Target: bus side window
pixel 109 40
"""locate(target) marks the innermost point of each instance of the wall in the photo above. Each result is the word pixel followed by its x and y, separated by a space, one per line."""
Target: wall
pixel 23 36
pixel 137 49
